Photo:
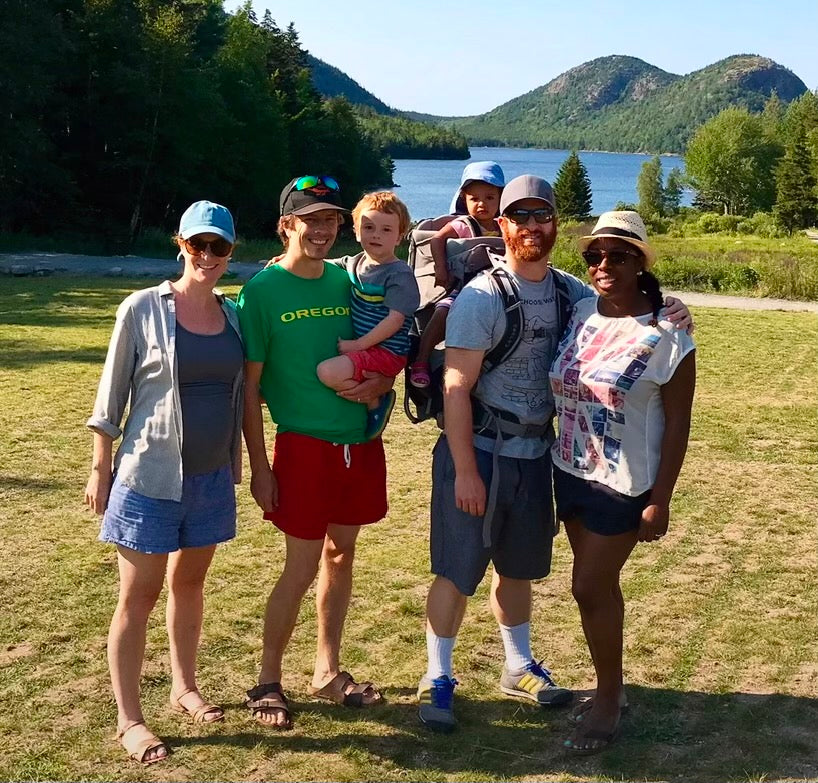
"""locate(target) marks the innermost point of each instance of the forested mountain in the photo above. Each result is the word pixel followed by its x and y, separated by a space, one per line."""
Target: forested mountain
pixel 616 103
pixel 332 82
pixel 624 104
pixel 401 137
pixel 390 131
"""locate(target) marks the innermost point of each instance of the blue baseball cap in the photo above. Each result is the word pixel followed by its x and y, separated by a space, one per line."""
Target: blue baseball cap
pixel 205 217
pixel 480 171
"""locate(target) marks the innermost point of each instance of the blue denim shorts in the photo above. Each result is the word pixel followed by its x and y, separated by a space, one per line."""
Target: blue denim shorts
pixel 205 515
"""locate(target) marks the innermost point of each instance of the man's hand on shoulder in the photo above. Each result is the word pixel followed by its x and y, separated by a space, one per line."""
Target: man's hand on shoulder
pixel 677 313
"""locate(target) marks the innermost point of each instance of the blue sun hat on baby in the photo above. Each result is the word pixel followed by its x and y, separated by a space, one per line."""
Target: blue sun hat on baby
pixel 480 171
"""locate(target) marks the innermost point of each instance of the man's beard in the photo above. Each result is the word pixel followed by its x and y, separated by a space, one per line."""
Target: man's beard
pixel 529 254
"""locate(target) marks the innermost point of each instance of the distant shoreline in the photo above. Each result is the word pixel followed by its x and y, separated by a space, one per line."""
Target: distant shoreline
pixel 564 149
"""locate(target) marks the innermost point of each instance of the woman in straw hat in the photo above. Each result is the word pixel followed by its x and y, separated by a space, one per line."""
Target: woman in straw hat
pixel 175 359
pixel 623 382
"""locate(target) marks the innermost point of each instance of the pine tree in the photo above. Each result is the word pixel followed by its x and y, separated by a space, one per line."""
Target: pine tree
pixel 650 190
pixel 572 189
pixel 772 116
pixel 796 205
pixel 673 191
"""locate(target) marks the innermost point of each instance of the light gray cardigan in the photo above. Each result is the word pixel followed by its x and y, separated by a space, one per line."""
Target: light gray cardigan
pixel 140 368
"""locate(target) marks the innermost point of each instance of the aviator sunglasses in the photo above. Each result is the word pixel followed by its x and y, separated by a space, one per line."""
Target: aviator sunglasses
pixel 616 257
pixel 520 217
pixel 218 247
pixel 309 181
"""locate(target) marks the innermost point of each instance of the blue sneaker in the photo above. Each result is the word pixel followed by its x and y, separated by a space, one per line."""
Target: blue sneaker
pixel 534 682
pixel 377 418
pixel 435 699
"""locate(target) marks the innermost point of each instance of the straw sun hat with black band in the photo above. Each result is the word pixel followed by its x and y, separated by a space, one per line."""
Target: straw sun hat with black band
pixel 624 225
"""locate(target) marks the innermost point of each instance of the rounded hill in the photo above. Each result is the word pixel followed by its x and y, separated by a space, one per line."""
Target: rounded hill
pixel 624 104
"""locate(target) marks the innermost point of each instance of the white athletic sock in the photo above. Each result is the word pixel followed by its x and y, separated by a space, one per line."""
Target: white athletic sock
pixel 439 650
pixel 517 644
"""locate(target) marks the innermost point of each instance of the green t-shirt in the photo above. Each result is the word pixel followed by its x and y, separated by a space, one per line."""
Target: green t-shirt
pixel 291 324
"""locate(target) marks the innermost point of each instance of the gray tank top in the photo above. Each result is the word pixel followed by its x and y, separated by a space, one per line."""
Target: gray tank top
pixel 207 366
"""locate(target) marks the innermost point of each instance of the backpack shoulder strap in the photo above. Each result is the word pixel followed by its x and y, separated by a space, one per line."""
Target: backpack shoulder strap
pixel 564 303
pixel 515 321
pixel 476 231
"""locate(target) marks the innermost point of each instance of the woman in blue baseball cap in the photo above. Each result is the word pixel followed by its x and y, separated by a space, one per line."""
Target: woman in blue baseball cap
pixel 175 359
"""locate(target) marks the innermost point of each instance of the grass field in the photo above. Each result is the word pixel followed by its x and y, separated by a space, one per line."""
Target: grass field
pixel 721 652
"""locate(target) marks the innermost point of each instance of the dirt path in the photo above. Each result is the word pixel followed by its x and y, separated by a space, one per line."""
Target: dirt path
pixel 695 299
pixel 43 264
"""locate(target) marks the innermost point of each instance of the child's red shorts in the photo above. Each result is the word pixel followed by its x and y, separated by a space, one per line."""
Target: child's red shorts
pixel 376 359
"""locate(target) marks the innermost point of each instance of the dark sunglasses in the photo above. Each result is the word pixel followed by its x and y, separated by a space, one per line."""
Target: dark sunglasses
pixel 309 181
pixel 520 216
pixel 617 257
pixel 218 247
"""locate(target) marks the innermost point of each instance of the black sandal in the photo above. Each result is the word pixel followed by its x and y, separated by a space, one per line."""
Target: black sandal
pixel 269 696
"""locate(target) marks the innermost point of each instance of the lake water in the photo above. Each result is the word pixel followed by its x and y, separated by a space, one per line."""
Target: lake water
pixel 427 186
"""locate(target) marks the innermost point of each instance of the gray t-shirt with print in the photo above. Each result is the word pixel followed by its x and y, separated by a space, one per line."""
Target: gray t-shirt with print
pixel 520 385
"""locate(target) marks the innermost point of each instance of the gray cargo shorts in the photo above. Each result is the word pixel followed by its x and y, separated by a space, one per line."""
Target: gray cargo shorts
pixel 522 529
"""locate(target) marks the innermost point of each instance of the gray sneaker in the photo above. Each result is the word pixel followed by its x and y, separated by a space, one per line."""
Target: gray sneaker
pixel 435 699
pixel 534 682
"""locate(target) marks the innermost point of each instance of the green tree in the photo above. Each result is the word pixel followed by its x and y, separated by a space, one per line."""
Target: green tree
pixel 772 117
pixel 801 122
pixel 730 162
pixel 35 190
pixel 796 205
pixel 119 113
pixel 650 190
pixel 572 189
pixel 801 117
pixel 674 187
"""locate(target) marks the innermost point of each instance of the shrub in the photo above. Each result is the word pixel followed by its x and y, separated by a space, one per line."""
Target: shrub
pixel 761 224
pixel 740 277
pixel 656 224
pixel 711 223
pixel 708 223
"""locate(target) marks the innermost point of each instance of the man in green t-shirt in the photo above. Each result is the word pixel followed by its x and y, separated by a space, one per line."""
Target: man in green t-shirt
pixel 326 479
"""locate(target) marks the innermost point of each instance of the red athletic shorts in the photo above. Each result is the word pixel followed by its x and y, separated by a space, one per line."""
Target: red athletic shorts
pixel 376 359
pixel 322 483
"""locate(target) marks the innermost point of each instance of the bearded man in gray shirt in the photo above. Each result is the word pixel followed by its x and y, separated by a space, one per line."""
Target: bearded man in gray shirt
pixel 491 471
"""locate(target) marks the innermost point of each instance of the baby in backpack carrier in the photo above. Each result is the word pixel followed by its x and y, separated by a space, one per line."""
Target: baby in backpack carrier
pixel 477 205
pixel 384 298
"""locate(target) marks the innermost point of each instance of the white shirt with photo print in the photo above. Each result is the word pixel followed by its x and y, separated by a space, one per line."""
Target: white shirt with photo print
pixel 606 381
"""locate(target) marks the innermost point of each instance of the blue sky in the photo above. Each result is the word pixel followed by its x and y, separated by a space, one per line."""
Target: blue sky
pixel 466 58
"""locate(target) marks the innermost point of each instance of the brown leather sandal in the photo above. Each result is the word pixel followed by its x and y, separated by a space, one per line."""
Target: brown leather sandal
pixel 198 714
pixel 342 689
pixel 138 749
pixel 269 696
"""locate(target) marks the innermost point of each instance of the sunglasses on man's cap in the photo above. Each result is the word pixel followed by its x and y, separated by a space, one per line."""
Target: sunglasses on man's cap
pixel 311 182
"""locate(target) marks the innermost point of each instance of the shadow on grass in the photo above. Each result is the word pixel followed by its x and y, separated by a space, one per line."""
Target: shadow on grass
pixel 19 354
pixel 29 484
pixel 667 734
pixel 65 301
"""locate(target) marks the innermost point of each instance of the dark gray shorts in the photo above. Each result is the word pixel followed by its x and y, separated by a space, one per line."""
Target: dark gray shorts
pixel 522 529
